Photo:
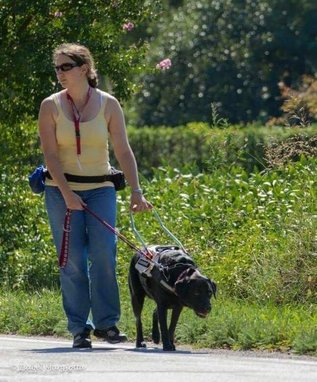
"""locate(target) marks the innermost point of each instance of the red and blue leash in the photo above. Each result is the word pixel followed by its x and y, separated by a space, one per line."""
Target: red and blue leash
pixel 63 257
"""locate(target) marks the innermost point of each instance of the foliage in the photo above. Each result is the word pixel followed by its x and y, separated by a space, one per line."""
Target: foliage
pixel 292 149
pixel 195 144
pixel 254 234
pixel 31 29
pixel 300 104
pixel 38 313
pixel 251 147
pixel 19 146
pixel 232 53
pixel 216 120
pixel 234 324
pixel 26 250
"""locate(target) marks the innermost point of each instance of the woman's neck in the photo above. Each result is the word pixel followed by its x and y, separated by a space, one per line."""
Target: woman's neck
pixel 79 93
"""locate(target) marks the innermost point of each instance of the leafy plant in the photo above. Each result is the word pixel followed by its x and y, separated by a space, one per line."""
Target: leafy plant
pixel 234 324
pixel 216 120
pixel 30 31
pixel 230 52
pixel 300 104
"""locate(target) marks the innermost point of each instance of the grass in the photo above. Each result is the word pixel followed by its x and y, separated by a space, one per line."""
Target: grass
pixel 235 324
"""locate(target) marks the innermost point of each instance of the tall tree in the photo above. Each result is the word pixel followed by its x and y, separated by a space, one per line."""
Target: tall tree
pixel 232 53
pixel 29 30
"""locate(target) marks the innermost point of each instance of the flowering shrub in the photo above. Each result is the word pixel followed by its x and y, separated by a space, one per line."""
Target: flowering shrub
pixel 128 26
pixel 164 64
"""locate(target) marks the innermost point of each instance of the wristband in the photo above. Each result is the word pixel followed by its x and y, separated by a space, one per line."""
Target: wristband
pixel 137 191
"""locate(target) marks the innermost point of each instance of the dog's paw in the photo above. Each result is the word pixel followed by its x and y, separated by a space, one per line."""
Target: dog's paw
pixel 156 339
pixel 140 345
pixel 169 348
pixel 156 335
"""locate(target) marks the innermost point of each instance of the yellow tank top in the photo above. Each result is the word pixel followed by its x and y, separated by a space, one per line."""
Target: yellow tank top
pixel 94 157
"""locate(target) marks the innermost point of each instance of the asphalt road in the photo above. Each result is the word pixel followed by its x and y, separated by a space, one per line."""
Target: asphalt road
pixel 49 359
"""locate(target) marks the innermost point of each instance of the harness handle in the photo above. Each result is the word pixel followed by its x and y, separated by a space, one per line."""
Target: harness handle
pixel 167 231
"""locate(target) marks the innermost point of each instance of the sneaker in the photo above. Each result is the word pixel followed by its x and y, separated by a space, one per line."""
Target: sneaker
pixel 111 335
pixel 82 340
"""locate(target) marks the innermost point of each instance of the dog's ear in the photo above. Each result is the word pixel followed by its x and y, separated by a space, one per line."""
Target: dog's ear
pixel 181 284
pixel 186 275
pixel 185 278
pixel 189 272
pixel 213 287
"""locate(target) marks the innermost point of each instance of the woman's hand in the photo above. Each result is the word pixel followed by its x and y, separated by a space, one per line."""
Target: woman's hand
pixel 139 203
pixel 73 201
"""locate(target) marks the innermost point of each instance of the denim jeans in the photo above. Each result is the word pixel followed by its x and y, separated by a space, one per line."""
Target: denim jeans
pixel 88 281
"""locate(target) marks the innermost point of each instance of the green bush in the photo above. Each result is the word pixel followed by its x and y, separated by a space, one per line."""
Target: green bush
pixel 256 235
pixel 194 145
pixel 32 29
pixel 233 53
pixel 233 323
pixel 27 255
pixel 209 149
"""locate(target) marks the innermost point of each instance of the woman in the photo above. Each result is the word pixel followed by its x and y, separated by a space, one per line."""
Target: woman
pixel 75 125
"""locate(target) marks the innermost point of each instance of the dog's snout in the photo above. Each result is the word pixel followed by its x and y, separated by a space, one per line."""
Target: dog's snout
pixel 203 310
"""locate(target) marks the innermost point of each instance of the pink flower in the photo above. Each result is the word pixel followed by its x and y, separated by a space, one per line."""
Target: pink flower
pixel 58 14
pixel 128 26
pixel 165 64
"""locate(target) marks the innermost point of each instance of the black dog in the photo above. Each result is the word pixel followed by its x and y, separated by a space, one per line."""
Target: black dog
pixel 174 283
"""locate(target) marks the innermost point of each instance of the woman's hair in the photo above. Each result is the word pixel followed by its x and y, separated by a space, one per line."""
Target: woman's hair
pixel 81 55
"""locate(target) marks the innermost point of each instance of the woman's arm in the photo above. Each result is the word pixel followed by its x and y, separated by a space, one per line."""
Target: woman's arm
pixel 47 130
pixel 124 153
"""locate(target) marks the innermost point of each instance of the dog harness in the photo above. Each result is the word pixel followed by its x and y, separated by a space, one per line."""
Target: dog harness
pixel 148 264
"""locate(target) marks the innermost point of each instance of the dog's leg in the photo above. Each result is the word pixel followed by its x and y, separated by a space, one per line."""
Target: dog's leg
pixel 174 319
pixel 162 316
pixel 137 299
pixel 137 304
pixel 155 328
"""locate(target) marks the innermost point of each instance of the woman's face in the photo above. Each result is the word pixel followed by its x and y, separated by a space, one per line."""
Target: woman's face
pixel 68 71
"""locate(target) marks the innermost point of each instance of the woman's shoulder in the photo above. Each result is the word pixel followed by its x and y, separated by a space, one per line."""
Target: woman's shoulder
pixel 107 96
pixel 111 104
pixel 50 103
pixel 51 99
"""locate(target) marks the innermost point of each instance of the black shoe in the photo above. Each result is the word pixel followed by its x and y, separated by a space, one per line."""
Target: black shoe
pixel 111 335
pixel 82 340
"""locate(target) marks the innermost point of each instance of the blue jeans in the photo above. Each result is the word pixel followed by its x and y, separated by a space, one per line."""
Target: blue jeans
pixel 88 281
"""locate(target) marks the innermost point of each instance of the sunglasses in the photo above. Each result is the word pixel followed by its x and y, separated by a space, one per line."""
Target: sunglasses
pixel 66 66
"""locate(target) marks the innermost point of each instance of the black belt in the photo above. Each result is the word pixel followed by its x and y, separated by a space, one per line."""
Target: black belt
pixel 84 179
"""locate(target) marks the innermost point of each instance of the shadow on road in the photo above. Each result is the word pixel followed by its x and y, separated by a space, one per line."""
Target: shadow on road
pixel 107 349
pixel 158 350
pixel 67 350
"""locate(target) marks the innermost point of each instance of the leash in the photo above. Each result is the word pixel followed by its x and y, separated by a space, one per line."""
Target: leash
pixel 146 253
pixel 63 257
pixel 169 233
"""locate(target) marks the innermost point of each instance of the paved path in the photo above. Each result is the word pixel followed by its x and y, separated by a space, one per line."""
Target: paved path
pixel 48 359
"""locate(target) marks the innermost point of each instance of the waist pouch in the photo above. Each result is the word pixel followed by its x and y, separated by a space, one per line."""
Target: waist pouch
pixel 37 179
